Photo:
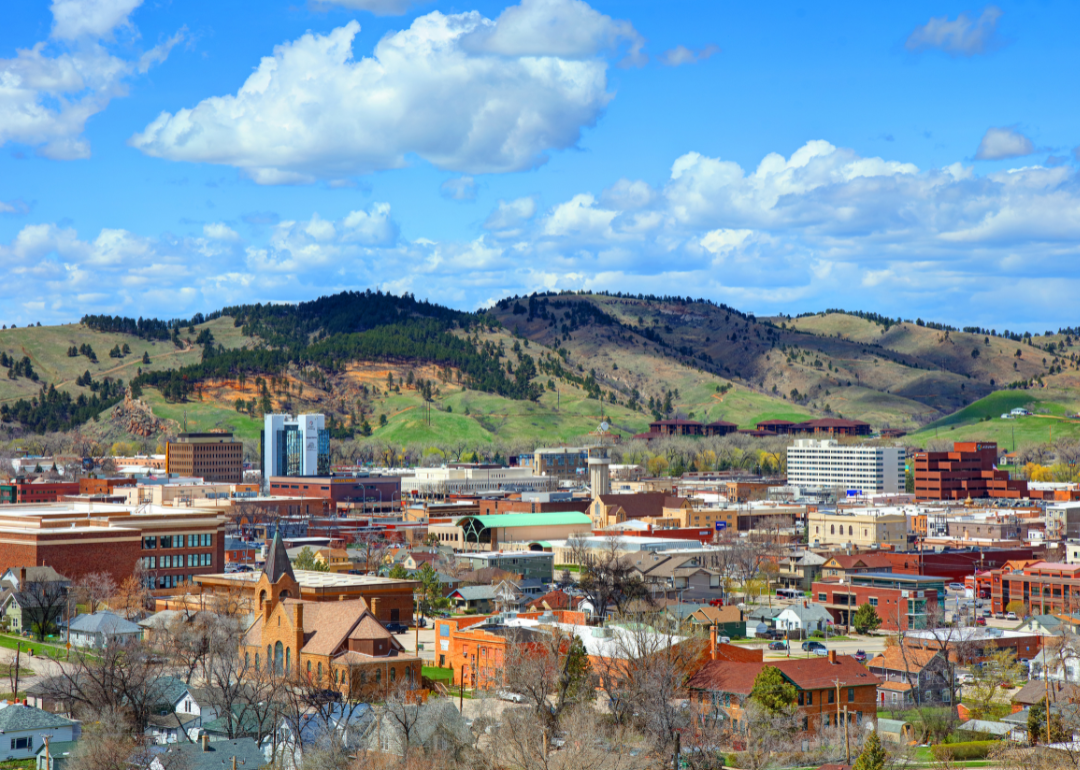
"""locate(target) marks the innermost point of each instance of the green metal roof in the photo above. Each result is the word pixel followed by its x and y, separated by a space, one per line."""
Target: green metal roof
pixel 504 520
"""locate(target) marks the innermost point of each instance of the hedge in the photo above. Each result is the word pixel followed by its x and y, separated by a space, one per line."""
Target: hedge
pixel 962 751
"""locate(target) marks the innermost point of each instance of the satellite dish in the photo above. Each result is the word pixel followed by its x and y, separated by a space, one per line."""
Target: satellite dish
pixel 604 427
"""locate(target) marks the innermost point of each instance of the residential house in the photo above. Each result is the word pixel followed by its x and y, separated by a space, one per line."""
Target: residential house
pixel 729 620
pixel 23 729
pixel 844 565
pixel 761 619
pixel 804 618
pixel 800 569
pixel 101 629
pixel 1061 664
pixel 553 600
pixel 474 599
pixel 417 559
pixel 34 595
pixel 824 686
pixel 910 677
pixel 56 755
pixel 1036 691
pixel 335 559
pixel 344 723
pixel 437 726
pixel 210 755
pixel 675 575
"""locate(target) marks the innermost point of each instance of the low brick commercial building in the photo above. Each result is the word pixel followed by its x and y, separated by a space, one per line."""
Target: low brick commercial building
pixel 967 471
pixel 827 688
pixel 357 495
pixel 1043 587
pixel 902 601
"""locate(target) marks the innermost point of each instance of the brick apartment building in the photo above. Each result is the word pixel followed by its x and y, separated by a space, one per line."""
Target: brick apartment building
pixel 81 538
pixel 902 602
pixel 826 688
pixel 209 456
pixel 89 485
pixel 681 427
pixel 359 495
pixel 956 565
pixel 38 490
pixel 825 427
pixel 967 471
pixel 1043 587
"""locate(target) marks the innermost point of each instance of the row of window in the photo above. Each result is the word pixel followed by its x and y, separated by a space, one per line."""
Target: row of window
pixel 175 562
pixel 204 540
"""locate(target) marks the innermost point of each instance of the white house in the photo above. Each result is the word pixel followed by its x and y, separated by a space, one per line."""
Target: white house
pixel 803 617
pixel 346 723
pixel 23 730
pixel 101 629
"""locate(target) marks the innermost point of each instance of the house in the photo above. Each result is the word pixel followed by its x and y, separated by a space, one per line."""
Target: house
pixel 728 620
pixel 438 726
pixel 803 617
pixel 417 559
pixel 210 755
pixel 172 727
pixel 984 729
pixel 800 569
pixel 824 687
pixel 911 676
pixel 34 596
pixel 243 722
pixel 55 756
pixel 672 574
pixel 101 629
pixel 23 729
pixel 553 600
pixel 761 619
pixel 474 599
pixel 842 565
pixel 1036 691
pixel 335 559
pixel 344 723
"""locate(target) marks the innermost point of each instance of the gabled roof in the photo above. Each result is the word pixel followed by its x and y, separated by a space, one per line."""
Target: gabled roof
pixel 36 575
pixel 103 623
pixel 1035 692
pixel 277 561
pixel 639 506
pixel 855 561
pixel 893 659
pixel 475 593
pixel 810 612
pixel 217 755
pixel 554 600
pixel 17 718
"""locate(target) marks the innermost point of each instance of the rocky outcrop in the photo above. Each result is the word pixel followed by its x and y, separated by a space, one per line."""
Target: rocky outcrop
pixel 133 416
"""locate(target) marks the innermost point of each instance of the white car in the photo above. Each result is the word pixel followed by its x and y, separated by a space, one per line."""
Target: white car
pixel 513 697
pixel 956 586
pixel 1011 616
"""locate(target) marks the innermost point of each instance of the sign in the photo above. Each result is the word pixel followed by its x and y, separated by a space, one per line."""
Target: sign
pixel 721 525
pixel 854 493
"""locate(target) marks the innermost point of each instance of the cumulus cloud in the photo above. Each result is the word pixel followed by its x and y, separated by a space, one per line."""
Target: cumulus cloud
pixel 680 55
pixel 462 188
pixel 508 216
pixel 962 36
pixel 378 7
pixel 1002 143
pixel 788 232
pixel 49 91
pixel 312 111
pixel 562 28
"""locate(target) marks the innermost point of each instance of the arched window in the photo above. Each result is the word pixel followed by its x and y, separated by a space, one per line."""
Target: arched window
pixel 256 661
pixel 247 661
pixel 393 675
pixel 288 658
pixel 309 666
pixel 279 658
pixel 269 658
pixel 408 674
pixel 319 672
pixel 832 529
pixel 850 530
pixel 378 675
pixel 284 594
pixel 262 597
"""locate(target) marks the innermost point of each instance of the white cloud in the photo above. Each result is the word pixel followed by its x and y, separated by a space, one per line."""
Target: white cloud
pixel 509 215
pixel 680 55
pixel 14 207
pixel 1002 143
pixel 219 231
pixel 462 188
pixel 312 111
pixel 580 217
pixel 93 19
pixel 371 228
pixel 962 36
pixel 49 91
pixel 378 7
pixel 628 195
pixel 562 28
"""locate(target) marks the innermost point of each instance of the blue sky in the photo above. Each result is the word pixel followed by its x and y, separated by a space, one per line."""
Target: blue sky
pixel 159 158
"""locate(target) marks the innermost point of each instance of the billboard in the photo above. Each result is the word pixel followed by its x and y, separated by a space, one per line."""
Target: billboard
pixel 721 525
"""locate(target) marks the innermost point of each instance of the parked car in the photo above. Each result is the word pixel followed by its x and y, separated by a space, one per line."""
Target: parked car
pixel 421 622
pixel 396 628
pixel 724 640
pixel 777 645
pixel 980 621
pixel 860 656
pixel 1011 616
pixel 812 645
pixel 965 677
pixel 821 651
pixel 956 586
pixel 513 697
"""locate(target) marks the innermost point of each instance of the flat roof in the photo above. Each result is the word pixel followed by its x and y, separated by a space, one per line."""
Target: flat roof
pixel 508 554
pixel 506 520
pixel 309 579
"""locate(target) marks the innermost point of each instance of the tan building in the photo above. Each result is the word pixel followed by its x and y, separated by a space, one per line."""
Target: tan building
pixel 686 517
pixel 859 530
pixel 209 456
pixel 490 533
pixel 335 559
pixel 339 645
pixel 656 508
pixel 181 494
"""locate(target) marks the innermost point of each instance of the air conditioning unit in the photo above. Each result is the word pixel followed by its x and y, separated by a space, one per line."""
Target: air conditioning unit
pixel 905 594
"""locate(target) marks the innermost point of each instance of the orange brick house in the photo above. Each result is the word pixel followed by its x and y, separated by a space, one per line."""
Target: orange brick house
pixel 339 645
pixel 825 687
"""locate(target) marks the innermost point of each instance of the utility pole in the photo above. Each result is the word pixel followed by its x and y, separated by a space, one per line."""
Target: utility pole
pixel 1046 687
pixel 847 740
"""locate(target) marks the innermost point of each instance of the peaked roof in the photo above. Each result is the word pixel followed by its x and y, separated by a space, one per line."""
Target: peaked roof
pixel 805 673
pixel 277 561
pixel 17 718
pixel 639 506
pixel 893 659
pixel 104 623
pixel 809 612
pixel 868 560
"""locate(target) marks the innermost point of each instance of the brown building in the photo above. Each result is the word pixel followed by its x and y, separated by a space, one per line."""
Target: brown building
pixel 88 485
pixel 1043 588
pixel 967 471
pixel 209 456
pixel 358 495
pixel 491 507
pixel 339 645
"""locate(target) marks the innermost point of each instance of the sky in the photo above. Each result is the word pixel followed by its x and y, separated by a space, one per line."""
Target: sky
pixel 914 159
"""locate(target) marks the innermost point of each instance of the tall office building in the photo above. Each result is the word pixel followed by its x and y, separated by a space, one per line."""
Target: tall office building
pixel 214 457
pixel 828 465
pixel 295 446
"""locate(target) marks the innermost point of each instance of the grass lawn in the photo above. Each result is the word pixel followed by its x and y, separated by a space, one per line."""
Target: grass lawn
pixel 438 674
pixel 19 764
pixel 11 643
pixel 6 671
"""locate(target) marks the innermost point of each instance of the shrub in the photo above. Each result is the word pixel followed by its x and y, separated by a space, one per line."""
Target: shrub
pixel 962 751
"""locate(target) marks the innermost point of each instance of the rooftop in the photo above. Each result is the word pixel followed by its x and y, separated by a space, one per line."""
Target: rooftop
pixel 307 579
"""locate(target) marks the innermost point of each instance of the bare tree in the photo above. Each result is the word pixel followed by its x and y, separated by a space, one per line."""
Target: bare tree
pixel 43 603
pixel 94 589
pixel 607 578
pixel 551 669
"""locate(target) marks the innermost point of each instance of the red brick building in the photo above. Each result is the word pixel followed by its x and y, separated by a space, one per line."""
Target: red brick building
pixel 89 485
pixel 357 494
pixel 490 507
pixel 1043 587
pixel 967 471
pixel 42 491
pixel 900 609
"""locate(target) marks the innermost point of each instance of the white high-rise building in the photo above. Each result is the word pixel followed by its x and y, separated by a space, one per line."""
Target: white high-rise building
pixel 295 446
pixel 829 465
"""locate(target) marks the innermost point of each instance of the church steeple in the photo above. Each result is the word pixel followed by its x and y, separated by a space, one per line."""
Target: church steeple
pixel 277 562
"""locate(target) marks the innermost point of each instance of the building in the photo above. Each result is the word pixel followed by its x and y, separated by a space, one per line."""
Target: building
pixel 532 502
pixel 107 485
pixel 171 546
pixel 871 530
pixel 388 599
pixel 469 479
pixel 562 463
pixel 842 565
pixel 800 569
pixel 911 677
pixel 210 456
pixel 902 602
pixel 295 446
pixel 36 490
pixel 804 617
pixel 25 730
pixel 101 629
pixel 826 687
pixel 528 564
pixel 1043 587
pixel 358 495
pixel 863 470
pixel 830 426
pixel 968 645
pixel 967 471
pixel 489 533
pixel 1063 521
pixel 656 508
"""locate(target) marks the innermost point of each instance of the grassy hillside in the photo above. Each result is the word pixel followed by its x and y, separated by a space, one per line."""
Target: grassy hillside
pixel 982 420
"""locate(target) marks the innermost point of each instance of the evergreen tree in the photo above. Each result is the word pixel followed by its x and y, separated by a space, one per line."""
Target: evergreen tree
pixel 145 357
pixel 873 754
pixel 866 619
pixel 772 692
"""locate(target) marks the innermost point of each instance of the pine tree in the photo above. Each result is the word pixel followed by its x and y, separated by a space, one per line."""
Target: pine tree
pixel 771 691
pixel 873 754
pixel 866 619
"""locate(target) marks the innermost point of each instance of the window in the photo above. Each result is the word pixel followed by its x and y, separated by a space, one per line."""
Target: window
pixel 851 695
pixel 821 597
pixel 21 743
pixel 810 698
pixel 801 699
pixel 832 693
pixel 873 601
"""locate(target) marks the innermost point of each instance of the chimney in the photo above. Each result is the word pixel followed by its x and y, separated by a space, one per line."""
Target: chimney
pixel 804 604
pixel 832 656
pixel 22 577
pixel 712 642
pixel 298 616
pixel 205 739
